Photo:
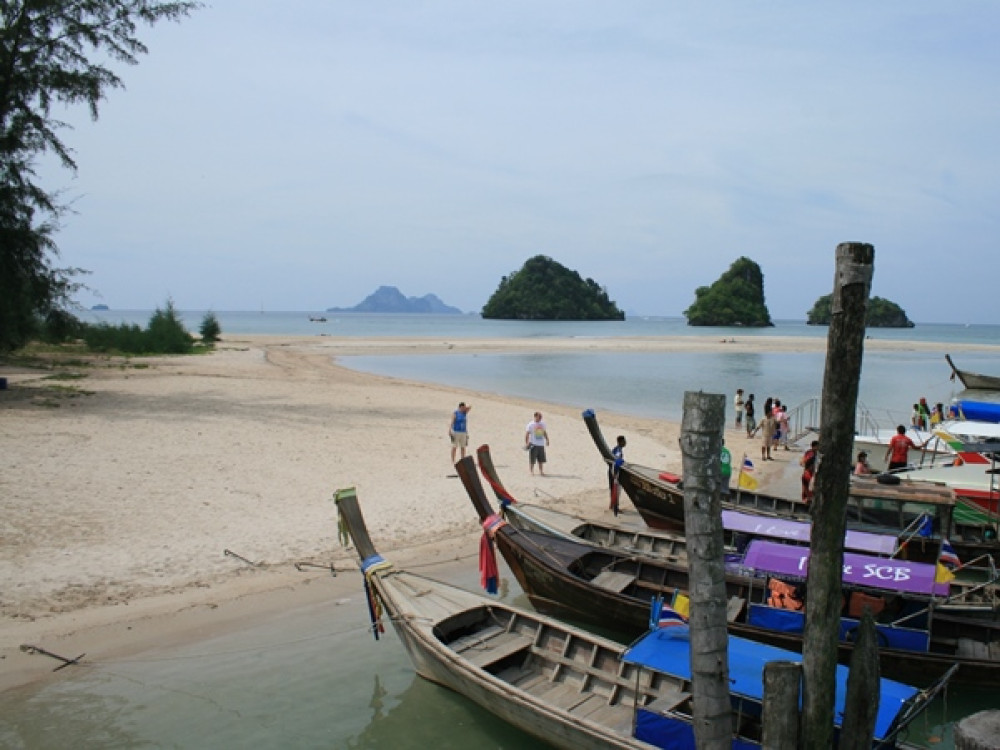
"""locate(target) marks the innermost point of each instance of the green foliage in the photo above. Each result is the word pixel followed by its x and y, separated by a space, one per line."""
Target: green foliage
pixel 881 313
pixel 166 332
pixel 210 328
pixel 165 335
pixel 546 290
pixel 44 48
pixel 735 299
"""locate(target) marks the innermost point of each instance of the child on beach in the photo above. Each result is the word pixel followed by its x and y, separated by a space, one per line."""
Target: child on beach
pixel 748 409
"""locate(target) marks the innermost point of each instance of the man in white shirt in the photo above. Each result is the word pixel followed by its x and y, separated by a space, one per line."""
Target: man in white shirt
pixel 536 437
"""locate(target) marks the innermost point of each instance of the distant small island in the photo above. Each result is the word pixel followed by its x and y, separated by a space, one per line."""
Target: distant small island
pixel 881 313
pixel 735 299
pixel 546 290
pixel 388 299
pixel 100 307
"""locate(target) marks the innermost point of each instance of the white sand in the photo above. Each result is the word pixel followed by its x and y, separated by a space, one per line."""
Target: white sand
pixel 121 490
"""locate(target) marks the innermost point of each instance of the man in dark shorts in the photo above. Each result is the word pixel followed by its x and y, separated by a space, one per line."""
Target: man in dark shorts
pixel 536 437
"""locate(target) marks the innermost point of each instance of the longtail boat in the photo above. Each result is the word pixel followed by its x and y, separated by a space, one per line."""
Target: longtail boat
pixel 739 528
pixel 658 496
pixel 569 687
pixel 972 380
pixel 613 589
pixel 529 517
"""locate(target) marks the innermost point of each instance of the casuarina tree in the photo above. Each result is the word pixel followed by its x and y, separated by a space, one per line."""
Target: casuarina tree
pixel 52 52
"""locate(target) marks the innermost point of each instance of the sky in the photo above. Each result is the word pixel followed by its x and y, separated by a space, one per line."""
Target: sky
pixel 297 155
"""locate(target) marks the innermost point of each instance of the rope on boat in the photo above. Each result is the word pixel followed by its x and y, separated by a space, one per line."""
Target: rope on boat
pixel 369 567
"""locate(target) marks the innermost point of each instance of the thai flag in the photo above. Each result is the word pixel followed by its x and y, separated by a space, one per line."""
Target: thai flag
pixel 670 617
pixel 948 558
pixel 747 464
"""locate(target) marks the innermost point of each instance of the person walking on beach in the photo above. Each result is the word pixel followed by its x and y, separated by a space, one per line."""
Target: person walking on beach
pixel 458 430
pixel 536 438
pixel 783 427
pixel 738 407
pixel 748 407
pixel 897 455
pixel 767 428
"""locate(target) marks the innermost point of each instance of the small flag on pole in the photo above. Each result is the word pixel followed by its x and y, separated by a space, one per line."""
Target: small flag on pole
pixel 942 574
pixel 948 558
pixel 748 482
pixel 670 617
pixel 747 464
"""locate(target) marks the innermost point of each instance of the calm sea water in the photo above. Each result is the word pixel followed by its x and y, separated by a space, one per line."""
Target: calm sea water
pixel 641 384
pixel 313 678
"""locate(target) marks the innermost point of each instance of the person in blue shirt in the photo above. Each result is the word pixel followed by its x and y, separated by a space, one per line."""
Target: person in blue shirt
pixel 458 430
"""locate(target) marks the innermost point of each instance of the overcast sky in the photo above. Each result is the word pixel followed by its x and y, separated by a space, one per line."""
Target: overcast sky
pixel 297 155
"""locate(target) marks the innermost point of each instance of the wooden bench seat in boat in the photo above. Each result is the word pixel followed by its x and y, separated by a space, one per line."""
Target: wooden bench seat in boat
pixel 667 702
pixel 480 637
pixel 613 580
pixel 496 648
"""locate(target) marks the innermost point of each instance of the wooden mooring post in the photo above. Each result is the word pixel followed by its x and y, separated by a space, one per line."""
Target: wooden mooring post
pixel 701 448
pixel 980 731
pixel 780 718
pixel 845 349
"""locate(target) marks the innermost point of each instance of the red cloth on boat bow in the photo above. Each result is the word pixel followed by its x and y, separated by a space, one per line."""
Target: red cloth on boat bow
pixel 489 576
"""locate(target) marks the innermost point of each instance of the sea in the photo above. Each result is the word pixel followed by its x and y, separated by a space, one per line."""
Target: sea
pixel 315 677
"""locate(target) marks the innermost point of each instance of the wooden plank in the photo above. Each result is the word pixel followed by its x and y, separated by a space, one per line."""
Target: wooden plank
pixel 613 581
pixel 476 639
pixel 530 682
pixel 617 718
pixel 497 648
pixel 668 701
pixel 562 695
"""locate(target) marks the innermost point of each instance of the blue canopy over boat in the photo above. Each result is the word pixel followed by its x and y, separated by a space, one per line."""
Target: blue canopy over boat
pixel 668 650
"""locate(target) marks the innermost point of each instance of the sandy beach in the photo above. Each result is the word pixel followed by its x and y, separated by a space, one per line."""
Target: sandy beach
pixel 124 489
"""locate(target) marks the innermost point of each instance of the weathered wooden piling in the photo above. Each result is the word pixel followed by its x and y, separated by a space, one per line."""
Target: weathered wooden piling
pixel 861 702
pixel 701 448
pixel 980 731
pixel 845 348
pixel 780 717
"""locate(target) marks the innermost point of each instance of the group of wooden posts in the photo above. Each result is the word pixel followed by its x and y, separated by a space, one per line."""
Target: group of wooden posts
pixel 701 443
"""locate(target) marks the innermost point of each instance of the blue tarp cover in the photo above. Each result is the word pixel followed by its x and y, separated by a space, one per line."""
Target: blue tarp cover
pixel 668 650
pixel 790 621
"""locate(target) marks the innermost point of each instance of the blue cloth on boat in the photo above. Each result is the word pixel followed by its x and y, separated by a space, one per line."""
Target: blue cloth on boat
pixel 668 650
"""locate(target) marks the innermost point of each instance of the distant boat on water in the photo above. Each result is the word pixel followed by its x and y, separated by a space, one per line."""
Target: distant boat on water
pixel 315 319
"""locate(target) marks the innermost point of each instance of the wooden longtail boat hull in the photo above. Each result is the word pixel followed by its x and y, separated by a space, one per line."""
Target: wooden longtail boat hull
pixel 660 503
pixel 571 688
pixel 613 590
pixel 974 381
pixel 528 517
pixel 564 685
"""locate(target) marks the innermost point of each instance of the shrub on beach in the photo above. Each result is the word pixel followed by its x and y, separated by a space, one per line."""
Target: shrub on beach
pixel 210 328
pixel 165 335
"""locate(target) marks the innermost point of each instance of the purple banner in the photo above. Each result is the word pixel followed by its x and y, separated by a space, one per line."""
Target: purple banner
pixel 862 570
pixel 798 531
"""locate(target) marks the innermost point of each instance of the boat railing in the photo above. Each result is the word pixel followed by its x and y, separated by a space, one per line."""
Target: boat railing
pixel 803 419
pixel 867 425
